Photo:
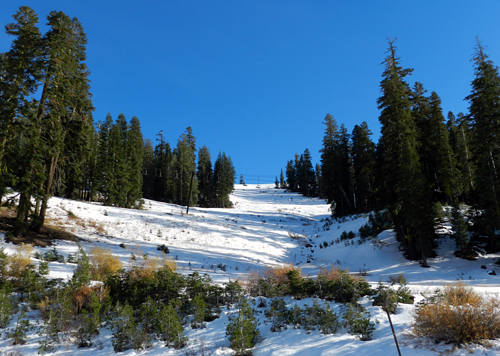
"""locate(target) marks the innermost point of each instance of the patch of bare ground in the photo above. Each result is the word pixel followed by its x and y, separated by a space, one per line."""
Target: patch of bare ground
pixel 49 234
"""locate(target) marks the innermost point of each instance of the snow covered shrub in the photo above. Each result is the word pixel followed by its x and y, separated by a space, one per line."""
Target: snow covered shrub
pixel 357 322
pixel 103 262
pixel 458 315
pixel 242 330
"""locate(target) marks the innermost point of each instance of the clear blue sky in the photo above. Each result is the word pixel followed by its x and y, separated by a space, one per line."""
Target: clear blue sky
pixel 256 78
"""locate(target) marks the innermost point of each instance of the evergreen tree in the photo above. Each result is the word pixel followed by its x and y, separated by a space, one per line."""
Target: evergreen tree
pixel 307 181
pixel 242 330
pixel 204 175
pixel 135 154
pixel 403 190
pixel 459 137
pixel 185 168
pixel 119 180
pixel 282 183
pixel 105 159
pixel 290 176
pixel 328 159
pixel 65 106
pixel 20 75
pixel 484 119
pixel 223 181
pixel 148 170
pixel 363 159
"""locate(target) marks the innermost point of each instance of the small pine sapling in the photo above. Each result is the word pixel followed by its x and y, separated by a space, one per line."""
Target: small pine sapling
pixel 242 330
pixel 170 328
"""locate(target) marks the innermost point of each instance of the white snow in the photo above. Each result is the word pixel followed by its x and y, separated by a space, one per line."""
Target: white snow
pixel 254 234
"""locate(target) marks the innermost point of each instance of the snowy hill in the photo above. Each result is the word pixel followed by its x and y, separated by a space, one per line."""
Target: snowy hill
pixel 266 227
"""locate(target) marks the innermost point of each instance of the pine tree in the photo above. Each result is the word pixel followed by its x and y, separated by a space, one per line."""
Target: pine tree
pixel 328 159
pixel 20 75
pixel 65 106
pixel 135 153
pixel 484 119
pixel 307 176
pixel 242 330
pixel 148 170
pixel 459 137
pixel 290 176
pixel 204 176
pixel 363 158
pixel 170 329
pixel 282 183
pixel 403 190
pixel 223 180
pixel 185 167
pixel 104 159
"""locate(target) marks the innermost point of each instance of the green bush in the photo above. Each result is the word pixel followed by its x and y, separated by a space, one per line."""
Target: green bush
pixel 242 330
pixel 357 321
pixel 377 223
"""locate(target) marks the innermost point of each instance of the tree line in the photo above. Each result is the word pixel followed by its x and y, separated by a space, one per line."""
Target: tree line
pixel 50 145
pixel 420 162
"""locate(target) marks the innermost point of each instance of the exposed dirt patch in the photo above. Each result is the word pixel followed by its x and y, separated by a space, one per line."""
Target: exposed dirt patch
pixel 49 233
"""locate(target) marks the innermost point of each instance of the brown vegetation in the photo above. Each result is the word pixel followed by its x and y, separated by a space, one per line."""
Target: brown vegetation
pixel 459 315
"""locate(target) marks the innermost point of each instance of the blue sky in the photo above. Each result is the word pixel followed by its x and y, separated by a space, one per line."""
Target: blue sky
pixel 255 79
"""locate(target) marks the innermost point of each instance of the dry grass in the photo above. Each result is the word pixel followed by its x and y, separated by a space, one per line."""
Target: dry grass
pixel 459 315
pixel 20 260
pixel 274 275
pixel 143 265
pixel 335 274
pixel 82 296
pixel 99 227
pixel 103 262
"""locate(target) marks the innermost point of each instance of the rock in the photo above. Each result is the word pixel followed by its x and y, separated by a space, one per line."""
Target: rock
pixel 492 273
pixel 483 267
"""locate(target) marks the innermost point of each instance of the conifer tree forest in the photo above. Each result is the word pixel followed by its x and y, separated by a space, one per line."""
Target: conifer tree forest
pixel 421 162
pixel 50 144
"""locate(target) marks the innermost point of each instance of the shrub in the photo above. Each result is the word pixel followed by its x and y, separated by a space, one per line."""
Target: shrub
pixel 271 281
pixel 377 223
pixel 386 298
pixel 6 307
pixel 103 262
pixel 278 314
pixel 337 284
pixel 357 321
pixel 458 315
pixel 163 248
pixel 123 327
pixel 20 261
pixel 242 330
pixel 170 328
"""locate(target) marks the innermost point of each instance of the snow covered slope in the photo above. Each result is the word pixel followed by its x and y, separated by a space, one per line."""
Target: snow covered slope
pixel 266 227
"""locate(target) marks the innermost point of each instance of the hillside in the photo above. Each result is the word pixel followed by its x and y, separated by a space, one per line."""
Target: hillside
pixel 266 227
